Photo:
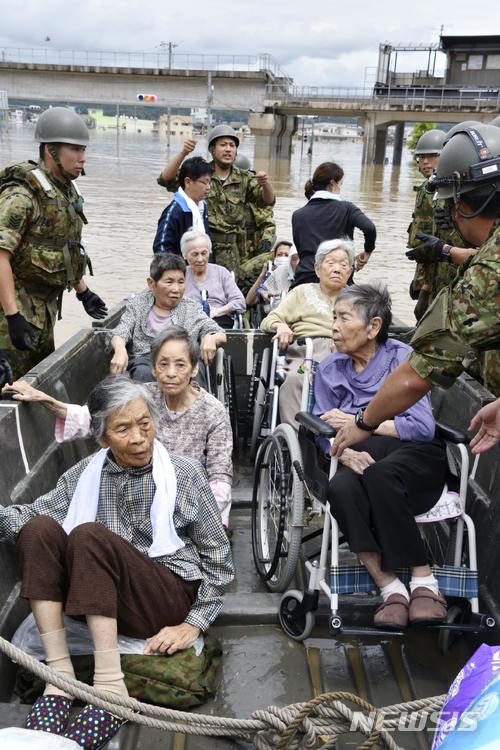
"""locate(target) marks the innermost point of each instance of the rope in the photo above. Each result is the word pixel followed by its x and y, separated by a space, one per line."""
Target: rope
pixel 300 725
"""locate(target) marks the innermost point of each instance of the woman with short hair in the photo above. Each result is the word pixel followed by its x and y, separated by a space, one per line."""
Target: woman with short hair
pixel 392 476
pixel 191 422
pixel 222 294
pixel 307 311
pixel 159 307
pixel 327 216
pixel 131 540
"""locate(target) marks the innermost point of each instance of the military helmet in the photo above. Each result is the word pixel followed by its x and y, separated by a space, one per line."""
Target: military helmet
pixel 495 122
pixel 470 160
pixel 61 125
pixel 242 162
pixel 458 128
pixel 220 131
pixel 430 142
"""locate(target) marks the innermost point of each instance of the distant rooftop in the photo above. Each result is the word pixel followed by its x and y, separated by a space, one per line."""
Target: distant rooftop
pixel 469 42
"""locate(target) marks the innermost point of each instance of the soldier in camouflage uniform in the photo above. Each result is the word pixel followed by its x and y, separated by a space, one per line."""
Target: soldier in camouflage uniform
pixel 41 220
pixel 463 323
pixel 430 219
pixel 234 193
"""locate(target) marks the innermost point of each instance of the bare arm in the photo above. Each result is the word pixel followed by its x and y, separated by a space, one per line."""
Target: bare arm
pixel 7 286
pixel 25 392
pixel 119 360
pixel 251 298
pixel 170 170
pixel 267 188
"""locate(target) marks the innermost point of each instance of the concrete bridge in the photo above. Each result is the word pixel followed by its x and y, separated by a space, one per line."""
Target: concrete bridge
pixel 252 83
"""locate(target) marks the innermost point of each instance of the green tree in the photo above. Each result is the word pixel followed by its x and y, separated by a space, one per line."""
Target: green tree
pixel 419 129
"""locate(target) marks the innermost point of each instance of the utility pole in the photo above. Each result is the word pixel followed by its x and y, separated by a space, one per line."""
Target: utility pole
pixel 169 113
pixel 170 46
pixel 210 100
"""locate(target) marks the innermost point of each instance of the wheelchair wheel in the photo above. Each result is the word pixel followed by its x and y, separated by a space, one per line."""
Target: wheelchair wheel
pixel 446 637
pixel 259 406
pixel 277 508
pixel 297 625
pixel 440 540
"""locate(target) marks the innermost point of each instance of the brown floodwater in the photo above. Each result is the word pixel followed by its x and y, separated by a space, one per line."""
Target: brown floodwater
pixel 123 203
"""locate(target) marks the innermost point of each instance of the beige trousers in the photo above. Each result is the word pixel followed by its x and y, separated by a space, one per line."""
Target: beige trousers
pixel 291 390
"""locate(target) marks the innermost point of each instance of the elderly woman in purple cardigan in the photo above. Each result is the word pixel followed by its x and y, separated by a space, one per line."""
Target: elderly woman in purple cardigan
pixel 223 296
pixel 392 476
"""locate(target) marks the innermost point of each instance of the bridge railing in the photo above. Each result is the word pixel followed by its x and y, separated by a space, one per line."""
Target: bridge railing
pixel 412 97
pixel 149 60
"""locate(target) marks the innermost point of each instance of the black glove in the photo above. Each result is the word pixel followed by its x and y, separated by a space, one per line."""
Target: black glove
pixel 265 246
pixel 93 304
pixel 442 218
pixel 6 375
pixel 22 334
pixel 422 304
pixel 429 251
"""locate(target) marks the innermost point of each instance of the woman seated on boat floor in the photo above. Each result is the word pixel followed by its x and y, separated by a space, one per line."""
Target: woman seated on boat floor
pixel 392 476
pixel 191 422
pixel 223 296
pixel 130 539
pixel 307 311
pixel 157 308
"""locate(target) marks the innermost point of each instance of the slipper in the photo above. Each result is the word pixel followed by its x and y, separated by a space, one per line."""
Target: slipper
pixel 393 613
pixel 93 727
pixel 426 606
pixel 50 713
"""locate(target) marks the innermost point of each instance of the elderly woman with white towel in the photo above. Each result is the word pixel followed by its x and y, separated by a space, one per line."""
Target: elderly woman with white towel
pixel 210 281
pixel 130 539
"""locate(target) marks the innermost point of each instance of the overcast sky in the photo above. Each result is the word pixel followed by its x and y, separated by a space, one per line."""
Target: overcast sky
pixel 327 43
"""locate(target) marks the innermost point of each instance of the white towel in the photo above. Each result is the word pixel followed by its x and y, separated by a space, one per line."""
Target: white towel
pixel 196 209
pixel 83 505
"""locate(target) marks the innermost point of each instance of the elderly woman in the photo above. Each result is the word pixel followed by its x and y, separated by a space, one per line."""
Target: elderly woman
pixel 327 216
pixel 191 422
pixel 307 311
pixel 131 539
pixel 157 308
pixel 223 296
pixel 393 475
pixel 274 279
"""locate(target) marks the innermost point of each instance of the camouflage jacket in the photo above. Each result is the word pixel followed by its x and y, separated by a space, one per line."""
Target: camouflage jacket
pixel 464 321
pixel 41 225
pixel 232 203
pixel 433 275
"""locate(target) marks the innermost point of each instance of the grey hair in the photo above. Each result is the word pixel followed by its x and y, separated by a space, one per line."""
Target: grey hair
pixel 175 333
pixel 369 301
pixel 113 394
pixel 326 247
pixel 190 236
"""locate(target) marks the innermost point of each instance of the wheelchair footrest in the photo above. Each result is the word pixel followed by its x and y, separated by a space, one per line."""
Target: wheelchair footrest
pixel 379 632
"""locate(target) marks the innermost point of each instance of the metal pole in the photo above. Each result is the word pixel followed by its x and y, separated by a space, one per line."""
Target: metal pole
pixel 302 137
pixel 117 116
pixel 169 112
pixel 170 57
pixel 209 101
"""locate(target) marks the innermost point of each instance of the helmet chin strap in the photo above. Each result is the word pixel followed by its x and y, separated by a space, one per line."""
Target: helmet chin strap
pixel 457 198
pixel 53 150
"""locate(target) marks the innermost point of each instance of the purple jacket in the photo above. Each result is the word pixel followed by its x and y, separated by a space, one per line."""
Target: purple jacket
pixel 338 386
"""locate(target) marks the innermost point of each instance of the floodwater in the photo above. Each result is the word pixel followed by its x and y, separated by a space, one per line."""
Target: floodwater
pixel 123 203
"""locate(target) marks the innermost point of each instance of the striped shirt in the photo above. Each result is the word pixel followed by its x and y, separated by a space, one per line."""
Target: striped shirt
pixel 125 499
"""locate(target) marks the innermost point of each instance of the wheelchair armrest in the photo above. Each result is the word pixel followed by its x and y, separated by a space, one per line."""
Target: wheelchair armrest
pixel 301 340
pixel 315 425
pixel 452 436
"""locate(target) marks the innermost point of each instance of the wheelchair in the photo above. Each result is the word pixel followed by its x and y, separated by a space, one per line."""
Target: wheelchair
pixel 265 382
pixel 221 384
pixel 290 495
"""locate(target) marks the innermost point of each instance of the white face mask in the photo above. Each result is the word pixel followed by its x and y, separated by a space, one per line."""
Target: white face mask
pixel 281 261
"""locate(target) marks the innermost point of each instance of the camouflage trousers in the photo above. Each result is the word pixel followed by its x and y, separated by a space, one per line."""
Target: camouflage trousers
pixel 430 277
pixel 226 255
pixel 23 361
pixel 250 269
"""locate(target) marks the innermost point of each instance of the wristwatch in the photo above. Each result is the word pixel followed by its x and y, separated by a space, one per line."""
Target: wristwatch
pixel 360 422
pixel 445 253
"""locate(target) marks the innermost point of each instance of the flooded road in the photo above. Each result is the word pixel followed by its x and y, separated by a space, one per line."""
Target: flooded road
pixel 123 203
